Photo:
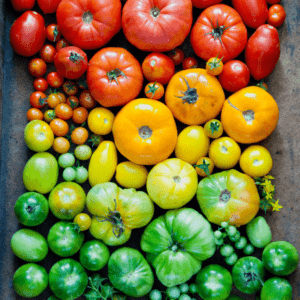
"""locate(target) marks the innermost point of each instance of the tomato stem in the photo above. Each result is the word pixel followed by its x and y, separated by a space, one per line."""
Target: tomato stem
pixel 75 57
pixel 190 96
pixel 154 12
pixel 218 31
pixel 224 196
pixel 87 17
pixel 114 74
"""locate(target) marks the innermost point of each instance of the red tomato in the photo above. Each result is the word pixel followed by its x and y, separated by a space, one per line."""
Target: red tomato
pixel 48 6
pixel 235 76
pixel 38 99
pixel 28 33
pixel 205 3
pixel 189 62
pixel 37 67
pixel 271 2
pixel 52 33
pixel 262 51
pixel 89 24
pixel 253 12
pixel 55 80
pixel 47 53
pixel 62 43
pixel 177 56
pixel 157 26
pixel 158 67
pixel 22 5
pixel 70 88
pixel 114 76
pixel 87 100
pixel 71 62
pixel 276 15
pixel 219 30
pixel 40 84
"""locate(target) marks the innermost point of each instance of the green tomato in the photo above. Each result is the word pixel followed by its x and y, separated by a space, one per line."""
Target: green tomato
pixel 249 249
pixel 226 250
pixel 193 288
pixel 81 175
pixel 241 243
pixel 65 238
pixel 155 295
pixel 184 288
pixel 30 280
pixel 259 232
pixel 69 174
pixel 83 152
pixel 129 272
pixel 219 242
pixel 214 282
pixel 231 230
pixel 173 292
pixel 29 245
pixel 218 234
pixel 224 224
pixel 94 255
pixel 184 297
pixel 236 237
pixel 66 160
pixel 280 258
pixel 248 274
pixel 276 288
pixel 31 209
pixel 68 279
pixel 232 259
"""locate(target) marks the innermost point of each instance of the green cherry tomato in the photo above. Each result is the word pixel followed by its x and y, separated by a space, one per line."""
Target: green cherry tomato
pixel 226 250
pixel 214 282
pixel 69 174
pixel 232 259
pixel 155 295
pixel 218 234
pixel 248 274
pixel 31 209
pixel 184 297
pixel 173 292
pixel 193 288
pixel 81 175
pixel 184 288
pixel 224 224
pixel 83 152
pixel 66 160
pixel 231 230
pixel 30 280
pixel 276 288
pixel 241 243
pixel 219 242
pixel 249 249
pixel 280 258
pixel 236 237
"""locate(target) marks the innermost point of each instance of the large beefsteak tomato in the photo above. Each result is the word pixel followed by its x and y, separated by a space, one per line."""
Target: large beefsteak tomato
pixel 219 30
pixel 205 3
pixel 157 25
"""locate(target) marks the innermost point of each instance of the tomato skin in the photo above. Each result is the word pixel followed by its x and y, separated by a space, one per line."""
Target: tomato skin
pixel 214 66
pixel 47 53
pixel 70 88
pixel 22 5
pixel 34 114
pixel 63 111
pixel 80 115
pixel 271 2
pixel 205 3
pixel 154 90
pixel 262 51
pixel 28 33
pixel 38 99
pixel 48 6
pixel 177 56
pixel 52 32
pixel 59 127
pixel 276 288
pixel 189 62
pixel 61 145
pixel 40 84
pixel 87 100
pixel 234 34
pixel 276 15
pixel 37 67
pixel 55 80
pixel 62 43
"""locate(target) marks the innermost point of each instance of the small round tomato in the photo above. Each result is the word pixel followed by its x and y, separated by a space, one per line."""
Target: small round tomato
pixel 63 111
pixel 256 161
pixel 70 88
pixel 81 175
pixel 49 115
pixel 214 66
pixel 59 127
pixel 62 97
pixel 95 139
pixel 80 115
pixel 276 288
pixel 83 220
pixel 62 43
pixel 83 152
pixel 40 84
pixel 87 100
pixel 81 82
pixel 177 56
pixel 204 166
pixel 34 114
pixel 66 160
pixel 224 152
pixel 52 33
pixel 73 101
pixel 38 99
pixel 158 67
pixel 189 63
pixel 154 90
pixel 53 100
pixel 37 67
pixel 55 80
pixel 61 145
pixel 235 76
pixel 100 120
pixel 47 53
pixel 79 135
pixel 22 5
pixel 276 15
pixel 213 128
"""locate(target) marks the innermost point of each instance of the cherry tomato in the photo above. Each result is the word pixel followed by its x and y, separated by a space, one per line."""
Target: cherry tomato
pixel 154 90
pixel 81 82
pixel 276 15
pixel 204 166
pixel 213 128
pixel 22 5
pixel 34 114
pixel 271 2
pixel 177 56
pixel 214 66
pixel 80 115
pixel 235 76
pixel 48 6
pixel 59 127
pixel 40 84
pixel 61 145
pixel 73 101
pixel 158 67
pixel 49 115
pixel 52 33
pixel 53 100
pixel 83 220
pixel 37 67
pixel 79 135
pixel 63 111
pixel 38 99
pixel 87 100
pixel 62 97
pixel 189 63
pixel 47 53
pixel 70 88
pixel 55 80
pixel 62 43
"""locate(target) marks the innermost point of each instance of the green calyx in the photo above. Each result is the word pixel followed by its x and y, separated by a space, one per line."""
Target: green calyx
pixel 152 89
pixel 217 31
pixel 204 167
pixel 114 74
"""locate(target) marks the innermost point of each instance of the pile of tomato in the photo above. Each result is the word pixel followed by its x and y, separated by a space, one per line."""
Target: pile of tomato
pixel 128 137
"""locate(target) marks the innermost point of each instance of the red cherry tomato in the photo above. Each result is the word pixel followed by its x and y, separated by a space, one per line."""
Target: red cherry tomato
pixel 52 33
pixel 276 15
pixel 55 80
pixel 70 88
pixel 62 43
pixel 177 55
pixel 40 84
pixel 189 63
pixel 22 5
pixel 38 99
pixel 48 6
pixel 47 53
pixel 37 67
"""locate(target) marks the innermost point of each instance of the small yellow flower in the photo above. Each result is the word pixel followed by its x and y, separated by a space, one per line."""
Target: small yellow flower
pixel 268 177
pixel 276 206
pixel 268 187
pixel 269 196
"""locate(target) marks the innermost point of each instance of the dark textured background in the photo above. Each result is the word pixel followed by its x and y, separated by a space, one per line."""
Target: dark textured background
pixel 16 87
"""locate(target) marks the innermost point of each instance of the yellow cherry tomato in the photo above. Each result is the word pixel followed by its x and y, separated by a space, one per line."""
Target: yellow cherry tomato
pixel 100 120
pixel 213 128
pixel 214 66
pixel 204 166
pixel 256 161
pixel 192 143
pixel 224 152
pixel 131 175
pixel 83 220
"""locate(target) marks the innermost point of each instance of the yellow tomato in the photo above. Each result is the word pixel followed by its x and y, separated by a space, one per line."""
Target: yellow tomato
pixel 131 175
pixel 192 143
pixel 256 161
pixel 83 220
pixel 100 120
pixel 213 128
pixel 224 152
pixel 204 166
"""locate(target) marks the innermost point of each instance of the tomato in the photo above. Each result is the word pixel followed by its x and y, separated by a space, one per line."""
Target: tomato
pixel 70 88
pixel 87 100
pixel 276 15
pixel 192 143
pixel 280 258
pixel 253 12
pixel 204 166
pixel 59 127
pixel 205 3
pixel 55 80
pixel 22 5
pixel 66 160
pixel 189 63
pixel 276 288
pixel 63 111
pixel 48 6
pixel 181 237
pixel 219 30
pixel 81 82
pixel 47 53
pixel 253 111
pixel 131 175
pixel 172 183
pixel 145 131
pixel 81 174
pixel 96 139
pixel 177 56
pixel 34 114
pixel 67 200
pixel 38 99
pixel 89 25
pixel 73 102
pixel 80 115
pixel 62 43
pixel 271 2
pixel 114 76
pixel 214 66
pixel 68 279
pixel 52 31
pixel 94 255
pixel 248 274
pixel 100 120
pixel 79 135
pixel 194 96
pixel 83 152
pixel 61 145
pixel 30 280
pixel 40 84
pixel 28 33
pixel 116 212
pixel 213 128
pixel 61 96
pixel 154 90
pixel 83 220
pixel 221 279
pixel 53 100
pixel 228 196
pixel 157 26
pixel 37 67
pixel 158 67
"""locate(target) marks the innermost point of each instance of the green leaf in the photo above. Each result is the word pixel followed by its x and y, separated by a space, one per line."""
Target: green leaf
pixel 264 204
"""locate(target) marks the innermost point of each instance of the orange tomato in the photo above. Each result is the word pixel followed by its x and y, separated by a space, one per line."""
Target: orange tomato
pixel 63 111
pixel 145 131
pixel 154 90
pixel 79 135
pixel 80 115
pixel 61 145
pixel 214 66
pixel 59 127
pixel 34 114
pixel 87 100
